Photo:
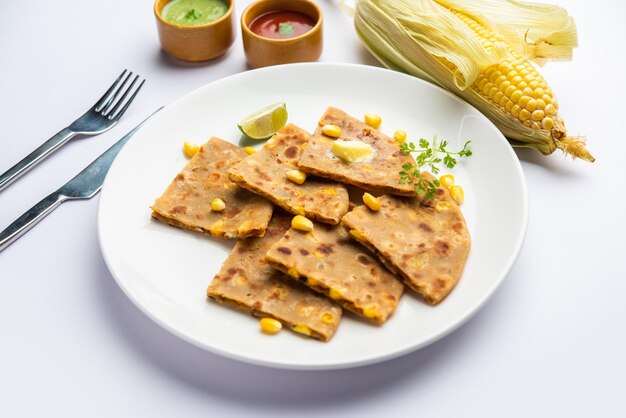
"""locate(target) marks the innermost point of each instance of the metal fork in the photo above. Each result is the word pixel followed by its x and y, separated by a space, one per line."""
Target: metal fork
pixel 100 118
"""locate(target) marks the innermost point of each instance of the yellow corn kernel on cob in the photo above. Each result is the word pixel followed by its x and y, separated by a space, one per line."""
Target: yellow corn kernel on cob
pixel 483 51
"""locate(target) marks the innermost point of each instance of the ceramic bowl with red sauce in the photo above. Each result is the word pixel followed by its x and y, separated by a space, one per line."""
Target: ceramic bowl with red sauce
pixel 281 32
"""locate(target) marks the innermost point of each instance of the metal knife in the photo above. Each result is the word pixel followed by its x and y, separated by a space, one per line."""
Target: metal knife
pixel 84 185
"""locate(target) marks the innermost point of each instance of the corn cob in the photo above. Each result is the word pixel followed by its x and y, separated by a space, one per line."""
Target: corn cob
pixel 493 75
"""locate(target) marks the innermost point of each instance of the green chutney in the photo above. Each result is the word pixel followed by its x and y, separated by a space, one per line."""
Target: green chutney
pixel 194 12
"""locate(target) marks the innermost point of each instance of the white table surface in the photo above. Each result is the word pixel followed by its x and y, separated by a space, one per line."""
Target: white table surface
pixel 551 342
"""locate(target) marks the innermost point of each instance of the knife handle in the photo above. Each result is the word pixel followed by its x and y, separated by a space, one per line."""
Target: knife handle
pixel 35 157
pixel 30 219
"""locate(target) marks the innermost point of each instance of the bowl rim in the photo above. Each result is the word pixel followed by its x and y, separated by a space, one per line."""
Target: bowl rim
pixel 227 15
pixel 245 28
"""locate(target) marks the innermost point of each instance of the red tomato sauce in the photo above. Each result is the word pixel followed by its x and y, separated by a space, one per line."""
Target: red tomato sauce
pixel 282 24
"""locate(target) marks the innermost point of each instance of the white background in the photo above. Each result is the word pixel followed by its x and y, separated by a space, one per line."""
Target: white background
pixel 551 342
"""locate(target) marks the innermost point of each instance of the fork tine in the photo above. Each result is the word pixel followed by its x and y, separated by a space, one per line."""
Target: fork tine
pixel 115 95
pixel 119 114
pixel 110 93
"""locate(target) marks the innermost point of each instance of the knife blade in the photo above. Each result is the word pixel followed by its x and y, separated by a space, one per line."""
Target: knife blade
pixel 84 185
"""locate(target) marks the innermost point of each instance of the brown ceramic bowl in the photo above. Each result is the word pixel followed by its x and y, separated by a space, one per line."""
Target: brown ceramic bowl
pixel 262 52
pixel 196 43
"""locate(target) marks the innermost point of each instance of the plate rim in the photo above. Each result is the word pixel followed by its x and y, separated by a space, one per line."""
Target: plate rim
pixel 358 362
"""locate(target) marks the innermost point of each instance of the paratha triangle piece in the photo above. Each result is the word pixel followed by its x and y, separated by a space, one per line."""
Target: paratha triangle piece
pixel 247 282
pixel 328 261
pixel 380 175
pixel 265 173
pixel 426 243
pixel 187 201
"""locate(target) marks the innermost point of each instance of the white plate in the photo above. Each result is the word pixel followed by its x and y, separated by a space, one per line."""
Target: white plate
pixel 165 271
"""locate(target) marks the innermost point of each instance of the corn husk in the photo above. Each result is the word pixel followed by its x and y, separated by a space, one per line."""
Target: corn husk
pixel 418 37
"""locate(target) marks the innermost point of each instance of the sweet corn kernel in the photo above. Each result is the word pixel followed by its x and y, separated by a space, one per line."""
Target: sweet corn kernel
pixel 399 136
pixel 327 318
pixel 373 120
pixel 249 150
pixel 371 202
pixel 510 90
pixel 329 191
pixel 302 329
pixel 524 115
pixel 302 223
pixel 296 176
pixel 420 261
pixel 447 180
pixel 370 312
pixel 333 131
pixel 335 293
pixel 293 272
pixel 217 205
pixel 547 123
pixel 457 194
pixel 442 206
pixel 216 227
pixel 352 151
pixel 550 110
pixel 504 85
pixel 312 282
pixel 523 101
pixel 190 149
pixel 516 96
pixel 537 115
pixel 319 254
pixel 356 234
pixel 541 104
pixel 270 325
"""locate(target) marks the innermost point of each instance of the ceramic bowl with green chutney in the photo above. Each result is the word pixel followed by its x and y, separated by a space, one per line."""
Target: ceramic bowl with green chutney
pixel 195 30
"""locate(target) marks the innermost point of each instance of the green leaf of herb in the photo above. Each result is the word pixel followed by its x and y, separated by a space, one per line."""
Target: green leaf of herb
pixel 428 155
pixel 286 28
pixel 192 14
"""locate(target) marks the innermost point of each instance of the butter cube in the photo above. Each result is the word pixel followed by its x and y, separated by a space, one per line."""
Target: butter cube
pixel 352 151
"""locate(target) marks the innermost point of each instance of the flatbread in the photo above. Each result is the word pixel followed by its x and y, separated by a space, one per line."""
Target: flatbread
pixel 328 261
pixel 247 282
pixel 381 174
pixel 265 173
pixel 187 201
pixel 426 243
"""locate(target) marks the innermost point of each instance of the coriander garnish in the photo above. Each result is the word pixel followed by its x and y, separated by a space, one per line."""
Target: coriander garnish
pixel 286 28
pixel 428 154
pixel 192 15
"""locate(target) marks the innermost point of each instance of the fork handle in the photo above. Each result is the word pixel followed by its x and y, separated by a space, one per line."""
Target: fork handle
pixel 35 157
pixel 30 219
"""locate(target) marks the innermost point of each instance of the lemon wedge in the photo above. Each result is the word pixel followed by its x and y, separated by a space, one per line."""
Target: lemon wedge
pixel 264 123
